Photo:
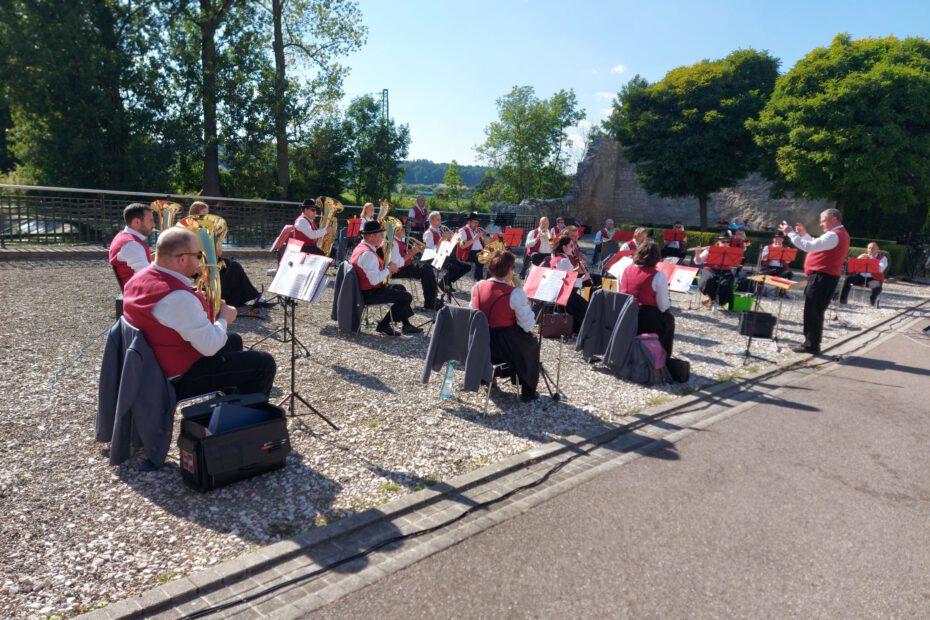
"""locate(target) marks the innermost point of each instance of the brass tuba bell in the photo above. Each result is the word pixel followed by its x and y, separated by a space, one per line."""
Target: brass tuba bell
pixel 211 231
pixel 488 251
pixel 329 208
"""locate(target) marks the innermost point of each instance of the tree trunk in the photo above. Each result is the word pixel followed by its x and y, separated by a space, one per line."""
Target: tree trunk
pixel 280 93
pixel 840 203
pixel 211 153
pixel 703 205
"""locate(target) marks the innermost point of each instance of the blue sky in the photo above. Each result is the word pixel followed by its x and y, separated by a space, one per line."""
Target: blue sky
pixel 446 62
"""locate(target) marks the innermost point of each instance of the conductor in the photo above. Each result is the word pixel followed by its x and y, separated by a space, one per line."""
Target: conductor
pixel 822 266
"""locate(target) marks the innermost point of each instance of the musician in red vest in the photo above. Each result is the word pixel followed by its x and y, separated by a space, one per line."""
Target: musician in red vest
pixel 601 237
pixel 774 267
pixel 511 321
pixel 452 267
pixel 823 265
pixel 675 248
pixel 471 241
pixel 873 281
pixel 558 229
pixel 564 258
pixel 716 282
pixel 372 271
pixel 306 228
pixel 129 250
pixel 417 214
pixel 650 288
pixel 639 238
pixel 403 258
pixel 197 355
pixel 538 246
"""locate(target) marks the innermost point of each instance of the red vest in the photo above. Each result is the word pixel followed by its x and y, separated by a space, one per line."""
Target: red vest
pixel 532 249
pixel 463 253
pixel 302 237
pixel 363 281
pixel 437 238
pixel 631 245
pixel 637 281
pixel 493 299
pixel 402 250
pixel 829 262
pixel 123 270
pixel 174 354
pixel 419 216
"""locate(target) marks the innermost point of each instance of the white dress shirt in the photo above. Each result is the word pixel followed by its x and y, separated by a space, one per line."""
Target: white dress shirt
pixel 626 247
pixel 132 253
pixel 303 225
pixel 765 253
pixel 396 258
pixel 368 261
pixel 599 238
pixel 660 286
pixel 428 238
pixel 476 244
pixel 882 264
pixel 518 303
pixel 544 247
pixel 700 258
pixel 826 241
pixel 183 312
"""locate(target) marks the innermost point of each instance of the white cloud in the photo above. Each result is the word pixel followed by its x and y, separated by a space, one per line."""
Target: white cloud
pixel 618 69
pixel 606 96
pixel 606 111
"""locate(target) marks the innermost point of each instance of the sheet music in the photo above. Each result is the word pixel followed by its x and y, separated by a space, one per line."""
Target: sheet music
pixel 681 281
pixel 444 251
pixel 617 269
pixel 290 280
pixel 319 290
pixel 550 285
pixel 428 255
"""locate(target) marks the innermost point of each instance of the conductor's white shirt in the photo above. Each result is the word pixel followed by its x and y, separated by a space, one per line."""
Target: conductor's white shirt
pixel 826 241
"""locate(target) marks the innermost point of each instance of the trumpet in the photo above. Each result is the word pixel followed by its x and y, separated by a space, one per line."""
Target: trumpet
pixel 414 244
pixel 383 211
pixel 446 231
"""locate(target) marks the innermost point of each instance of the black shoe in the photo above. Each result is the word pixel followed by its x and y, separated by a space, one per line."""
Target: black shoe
pixel 261 302
pixel 410 329
pixel 436 305
pixel 805 349
pixel 387 329
pixel 528 397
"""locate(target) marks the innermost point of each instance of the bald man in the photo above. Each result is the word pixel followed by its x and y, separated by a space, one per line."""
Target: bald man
pixel 196 354
pixel 873 281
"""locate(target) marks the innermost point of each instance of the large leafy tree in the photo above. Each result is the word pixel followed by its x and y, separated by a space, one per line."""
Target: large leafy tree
pixel 528 143
pixel 687 133
pixel 378 147
pixel 453 182
pixel 320 160
pixel 851 123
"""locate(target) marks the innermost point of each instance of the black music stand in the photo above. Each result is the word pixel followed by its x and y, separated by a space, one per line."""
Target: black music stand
pixel 287 333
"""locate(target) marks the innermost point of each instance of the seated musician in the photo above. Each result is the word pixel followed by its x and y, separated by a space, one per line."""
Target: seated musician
pixel 470 242
pixel 739 240
pixel 511 320
pixel 416 215
pixel 563 259
pixel 452 267
pixel 402 258
pixel 675 249
pixel 197 355
pixel 129 250
pixel 307 230
pixel 580 258
pixel 369 266
pixel 368 213
pixel 639 237
pixel 716 283
pixel 557 230
pixel 237 289
pixel 774 267
pixel 601 237
pixel 872 281
pixel 650 288
pixel 538 246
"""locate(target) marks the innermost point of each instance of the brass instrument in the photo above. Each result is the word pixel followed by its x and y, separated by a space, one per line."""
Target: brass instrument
pixel 488 251
pixel 414 244
pixel 211 231
pixel 391 226
pixel 446 231
pixel 383 211
pixel 166 211
pixel 330 207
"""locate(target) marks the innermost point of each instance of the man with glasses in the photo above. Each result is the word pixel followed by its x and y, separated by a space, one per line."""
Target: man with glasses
pixel 197 355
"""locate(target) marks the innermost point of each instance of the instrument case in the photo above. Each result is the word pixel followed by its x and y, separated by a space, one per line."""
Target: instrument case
pixel 211 461
pixel 756 324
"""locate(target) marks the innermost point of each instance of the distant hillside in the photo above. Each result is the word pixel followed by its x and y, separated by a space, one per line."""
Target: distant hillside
pixel 426 172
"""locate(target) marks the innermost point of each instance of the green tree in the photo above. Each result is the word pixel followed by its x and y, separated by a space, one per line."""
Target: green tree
pixel 453 182
pixel 378 148
pixel 687 133
pixel 851 123
pixel 528 143
pixel 319 163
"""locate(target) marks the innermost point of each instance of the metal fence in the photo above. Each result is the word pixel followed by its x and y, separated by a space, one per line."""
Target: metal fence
pixel 66 215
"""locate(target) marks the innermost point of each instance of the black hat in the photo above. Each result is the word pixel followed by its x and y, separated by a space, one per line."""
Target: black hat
pixel 371 227
pixel 779 233
pixel 473 216
pixel 309 203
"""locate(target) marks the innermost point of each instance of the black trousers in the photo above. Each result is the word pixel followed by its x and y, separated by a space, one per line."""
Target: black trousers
pixel 237 288
pixel 577 307
pixel 652 321
pixel 394 294
pixel 521 350
pixel 718 285
pixel 859 280
pixel 230 369
pixel 478 269
pixel 427 278
pixel 453 269
pixel 817 295
pixel 536 258
pixel 676 252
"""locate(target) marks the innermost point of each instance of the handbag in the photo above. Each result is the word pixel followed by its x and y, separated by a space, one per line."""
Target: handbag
pixel 552 325
pixel 679 369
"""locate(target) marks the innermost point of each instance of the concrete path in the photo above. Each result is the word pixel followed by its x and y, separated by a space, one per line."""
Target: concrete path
pixel 813 501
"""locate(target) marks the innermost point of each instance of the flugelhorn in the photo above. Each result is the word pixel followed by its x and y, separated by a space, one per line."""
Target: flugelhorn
pixel 383 211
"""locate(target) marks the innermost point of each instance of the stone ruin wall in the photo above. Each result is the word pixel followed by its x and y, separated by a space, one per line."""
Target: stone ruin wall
pixel 605 185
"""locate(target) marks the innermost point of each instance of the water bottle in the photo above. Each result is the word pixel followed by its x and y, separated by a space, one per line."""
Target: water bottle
pixel 446 391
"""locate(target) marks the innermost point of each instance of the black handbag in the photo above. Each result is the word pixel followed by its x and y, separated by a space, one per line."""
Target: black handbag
pixel 680 370
pixel 552 325
pixel 756 324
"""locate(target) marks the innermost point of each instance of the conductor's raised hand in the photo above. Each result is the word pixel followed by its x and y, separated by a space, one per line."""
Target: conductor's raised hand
pixel 799 228
pixel 784 227
pixel 228 313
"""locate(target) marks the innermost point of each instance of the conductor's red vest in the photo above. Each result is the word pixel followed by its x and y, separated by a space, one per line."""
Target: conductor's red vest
pixel 363 282
pixel 637 281
pixel 489 298
pixel 123 270
pixel 829 262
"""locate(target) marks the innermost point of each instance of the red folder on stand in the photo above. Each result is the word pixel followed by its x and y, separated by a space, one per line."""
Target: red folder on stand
pixel 286 233
pixel 513 237
pixel 673 235
pixel 723 257
pixel 782 253
pixel 621 236
pixel 535 277
pixel 617 256
pixel 863 265
pixel 353 227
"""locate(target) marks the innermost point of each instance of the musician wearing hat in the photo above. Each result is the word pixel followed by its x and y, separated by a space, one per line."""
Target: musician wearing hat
pixel 402 257
pixel 471 241
pixel 774 267
pixel 716 283
pixel 373 272
pixel 452 267
pixel 306 228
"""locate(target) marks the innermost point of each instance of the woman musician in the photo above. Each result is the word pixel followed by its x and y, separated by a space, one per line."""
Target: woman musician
pixel 511 322
pixel 650 288
pixel 368 213
pixel 562 259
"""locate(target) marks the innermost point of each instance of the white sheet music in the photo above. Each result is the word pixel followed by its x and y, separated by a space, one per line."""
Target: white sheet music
pixel 428 255
pixel 617 269
pixel 298 280
pixel 444 251
pixel 550 285
pixel 681 281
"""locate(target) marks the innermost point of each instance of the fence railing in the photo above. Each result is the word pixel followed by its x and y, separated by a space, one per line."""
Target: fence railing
pixel 67 215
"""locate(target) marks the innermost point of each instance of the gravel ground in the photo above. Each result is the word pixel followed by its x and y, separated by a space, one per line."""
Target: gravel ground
pixel 77 533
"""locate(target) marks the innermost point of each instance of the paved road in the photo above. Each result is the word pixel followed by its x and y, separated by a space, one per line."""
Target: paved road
pixel 820 507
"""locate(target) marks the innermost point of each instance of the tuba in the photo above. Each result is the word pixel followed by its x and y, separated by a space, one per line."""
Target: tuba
pixel 211 230
pixel 330 207
pixel 383 211
pixel 488 251
pixel 391 226
pixel 166 212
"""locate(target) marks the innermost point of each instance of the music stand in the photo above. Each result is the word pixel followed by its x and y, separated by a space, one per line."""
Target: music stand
pixel 292 256
pixel 622 236
pixel 538 288
pixel 513 237
pixel 723 257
